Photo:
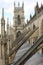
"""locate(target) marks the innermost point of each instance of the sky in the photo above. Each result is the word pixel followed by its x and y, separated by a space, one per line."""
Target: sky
pixel 8 5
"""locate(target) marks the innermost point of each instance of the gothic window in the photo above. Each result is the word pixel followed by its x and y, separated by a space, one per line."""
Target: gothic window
pixel 19 20
pixel 33 26
pixel 18 34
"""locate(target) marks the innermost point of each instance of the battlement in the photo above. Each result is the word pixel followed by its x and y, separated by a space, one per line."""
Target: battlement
pixel 19 5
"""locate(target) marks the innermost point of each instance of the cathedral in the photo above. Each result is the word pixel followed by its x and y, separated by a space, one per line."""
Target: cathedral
pixel 21 41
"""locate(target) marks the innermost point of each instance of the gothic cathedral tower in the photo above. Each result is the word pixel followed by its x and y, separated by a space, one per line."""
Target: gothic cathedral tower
pixel 19 20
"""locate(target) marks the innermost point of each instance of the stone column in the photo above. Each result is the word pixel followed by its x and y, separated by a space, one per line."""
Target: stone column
pixel 8 47
pixel 2 54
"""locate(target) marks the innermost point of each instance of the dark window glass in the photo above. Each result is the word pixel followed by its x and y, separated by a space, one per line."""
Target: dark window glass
pixel 19 20
pixel 33 26
pixel 18 34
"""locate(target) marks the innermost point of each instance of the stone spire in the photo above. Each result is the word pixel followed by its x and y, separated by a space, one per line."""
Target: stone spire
pixel 22 4
pixel 30 16
pixel 3 13
pixel 2 23
pixel 18 4
pixel 14 4
pixel 37 9
pixel 37 4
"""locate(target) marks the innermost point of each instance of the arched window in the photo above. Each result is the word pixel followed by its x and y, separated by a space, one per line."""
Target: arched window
pixel 18 34
pixel 19 20
pixel 33 26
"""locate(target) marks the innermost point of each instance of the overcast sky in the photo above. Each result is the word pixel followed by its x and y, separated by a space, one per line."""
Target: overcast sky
pixel 8 6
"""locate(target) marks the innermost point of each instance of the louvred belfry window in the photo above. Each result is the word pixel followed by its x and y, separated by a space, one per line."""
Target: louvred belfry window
pixel 19 20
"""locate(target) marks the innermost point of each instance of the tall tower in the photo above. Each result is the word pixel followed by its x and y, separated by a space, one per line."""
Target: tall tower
pixel 2 23
pixel 19 20
pixel 3 43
